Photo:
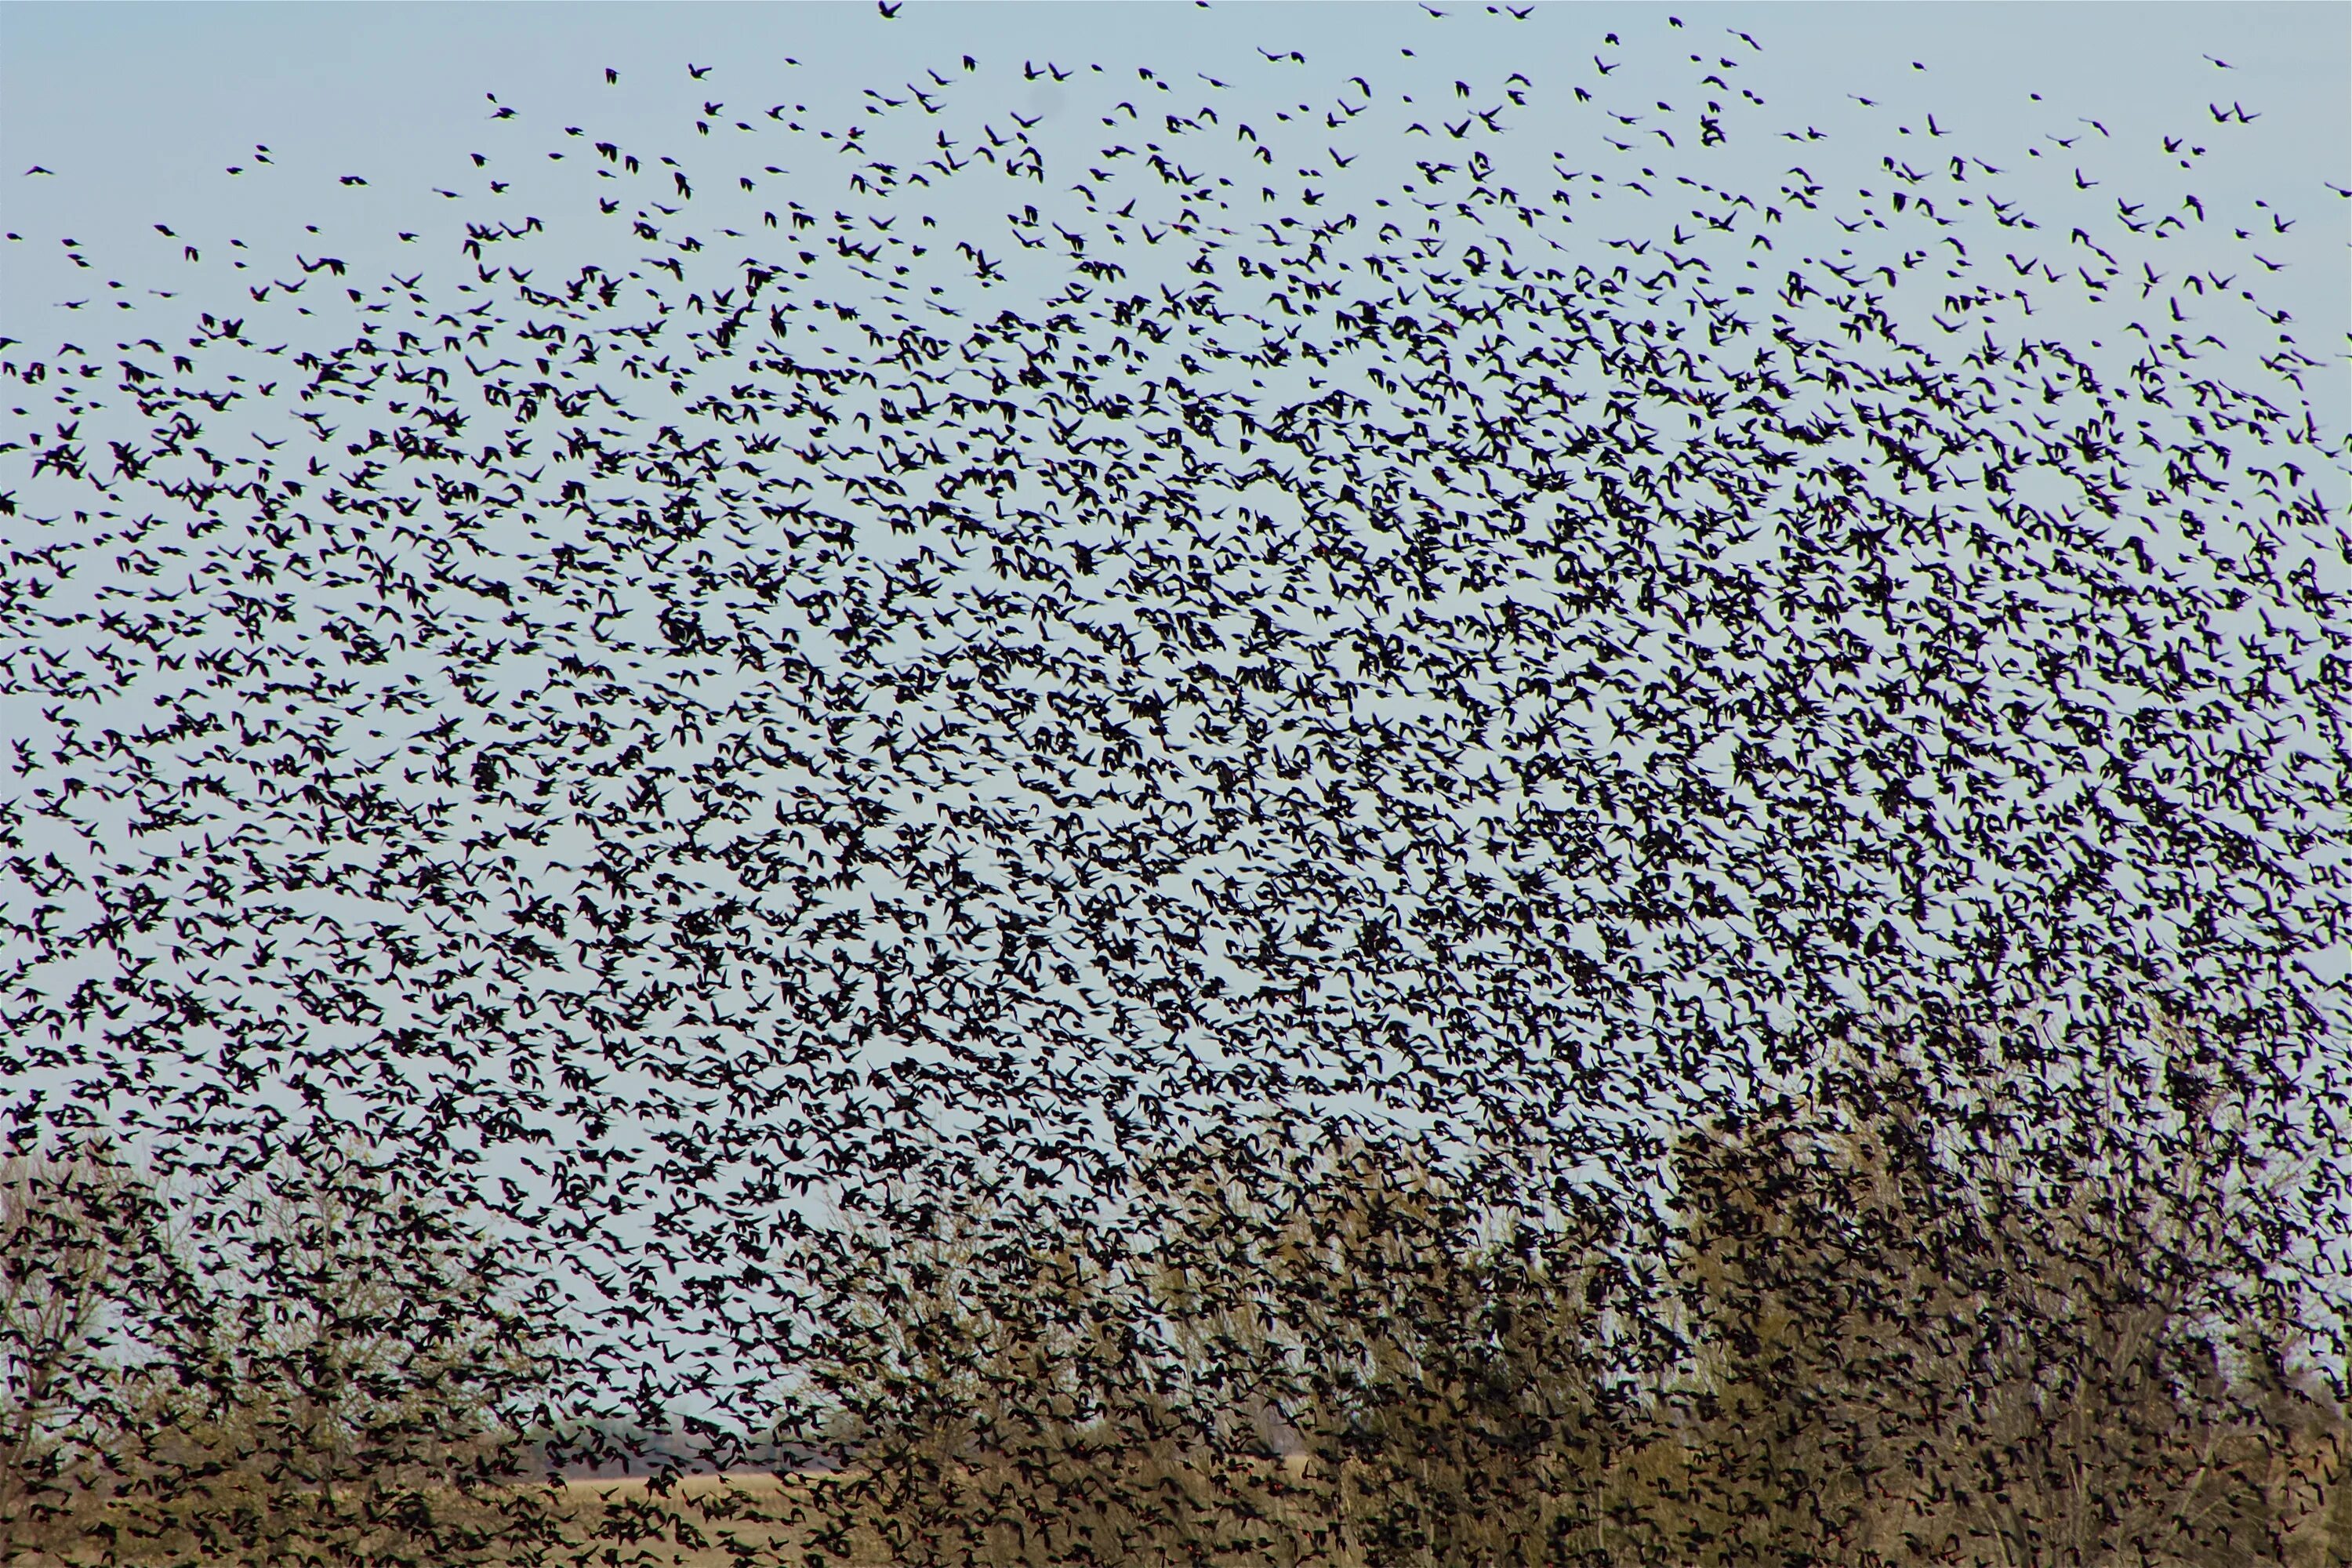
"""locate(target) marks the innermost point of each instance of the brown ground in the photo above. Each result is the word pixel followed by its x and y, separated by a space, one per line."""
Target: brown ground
pixel 725 1520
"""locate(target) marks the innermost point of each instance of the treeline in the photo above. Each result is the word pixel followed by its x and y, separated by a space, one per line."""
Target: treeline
pixel 2005 1315
pixel 317 1364
pixel 1954 1304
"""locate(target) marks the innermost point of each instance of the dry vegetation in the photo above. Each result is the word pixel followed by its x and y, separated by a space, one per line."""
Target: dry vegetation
pixel 1883 1345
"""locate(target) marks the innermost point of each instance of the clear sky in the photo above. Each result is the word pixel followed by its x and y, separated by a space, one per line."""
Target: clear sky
pixel 375 132
pixel 140 107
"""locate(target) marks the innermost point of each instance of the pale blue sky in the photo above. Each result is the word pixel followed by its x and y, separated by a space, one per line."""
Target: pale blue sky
pixel 140 107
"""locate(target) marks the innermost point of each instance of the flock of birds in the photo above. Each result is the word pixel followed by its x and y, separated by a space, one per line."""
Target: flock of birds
pixel 660 718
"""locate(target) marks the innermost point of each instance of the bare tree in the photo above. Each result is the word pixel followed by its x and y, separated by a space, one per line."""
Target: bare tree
pixel 1438 1366
pixel 2127 1397
pixel 349 1380
pixel 71 1224
pixel 2003 1316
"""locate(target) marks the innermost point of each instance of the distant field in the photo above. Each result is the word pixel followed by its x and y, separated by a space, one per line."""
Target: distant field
pixel 589 1516
pixel 764 1499
pixel 615 1488
pixel 733 1520
pixel 698 1520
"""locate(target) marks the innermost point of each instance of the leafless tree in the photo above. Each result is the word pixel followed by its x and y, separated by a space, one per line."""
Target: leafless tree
pixel 71 1223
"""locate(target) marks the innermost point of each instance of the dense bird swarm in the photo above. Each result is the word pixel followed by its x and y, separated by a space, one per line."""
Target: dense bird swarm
pixel 1358 842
